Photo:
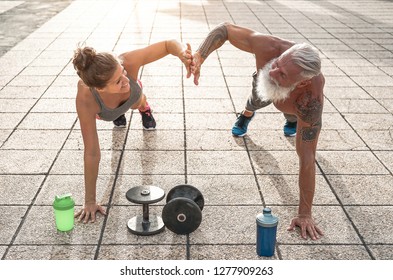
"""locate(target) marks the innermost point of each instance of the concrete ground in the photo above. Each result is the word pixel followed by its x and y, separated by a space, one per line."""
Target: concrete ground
pixel 42 150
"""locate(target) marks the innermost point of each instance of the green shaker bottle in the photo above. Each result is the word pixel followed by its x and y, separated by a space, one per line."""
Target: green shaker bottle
pixel 64 212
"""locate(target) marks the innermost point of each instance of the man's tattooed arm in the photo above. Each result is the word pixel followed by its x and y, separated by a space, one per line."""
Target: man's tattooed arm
pixel 309 110
pixel 215 39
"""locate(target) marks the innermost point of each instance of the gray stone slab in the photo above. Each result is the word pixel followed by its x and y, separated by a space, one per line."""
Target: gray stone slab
pixel 158 81
pixel 10 120
pixel 344 62
pixel 369 121
pixel 51 252
pixel 208 105
pixel 284 190
pixel 109 139
pixel 18 92
pixel 143 252
pixel 382 80
pixel 166 105
pixel 62 80
pixel 213 140
pixel 74 184
pixel 386 159
pixel 340 82
pixel 220 225
pixel 13 215
pixel 210 121
pixel 221 162
pixel 60 92
pixel 26 162
pixel 2 250
pixel 334 121
pixel 163 120
pixel 226 252
pixel 346 93
pixel 152 162
pixel 358 106
pixel 19 189
pixel 224 189
pixel 379 92
pixel 39 227
pixel 36 140
pixel 346 140
pixel 362 189
pixel 143 140
pixel 71 162
pixel 162 91
pixel 32 81
pixel 346 162
pixel 205 92
pixel 48 121
pixel 117 232
pixel 4 133
pixel 275 162
pixel 54 106
pixel 382 252
pixel 16 105
pixel 267 140
pixel 373 222
pixel 44 71
pixel 377 139
pixel 324 252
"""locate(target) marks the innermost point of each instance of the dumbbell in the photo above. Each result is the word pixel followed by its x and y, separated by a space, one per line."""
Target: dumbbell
pixel 145 224
pixel 182 213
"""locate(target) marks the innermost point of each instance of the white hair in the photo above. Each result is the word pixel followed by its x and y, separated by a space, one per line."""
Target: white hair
pixel 306 57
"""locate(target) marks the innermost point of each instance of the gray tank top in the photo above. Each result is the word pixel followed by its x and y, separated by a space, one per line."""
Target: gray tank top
pixel 108 114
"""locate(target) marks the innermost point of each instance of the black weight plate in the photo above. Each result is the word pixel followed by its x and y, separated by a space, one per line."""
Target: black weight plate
pixel 181 215
pixel 186 191
pixel 145 194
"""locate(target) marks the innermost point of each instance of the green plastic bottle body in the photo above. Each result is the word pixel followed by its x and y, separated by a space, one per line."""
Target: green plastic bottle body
pixel 64 212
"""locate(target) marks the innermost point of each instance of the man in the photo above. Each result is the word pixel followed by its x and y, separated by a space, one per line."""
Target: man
pixel 288 75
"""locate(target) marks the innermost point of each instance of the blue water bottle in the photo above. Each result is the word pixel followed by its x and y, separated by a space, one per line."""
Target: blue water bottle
pixel 266 233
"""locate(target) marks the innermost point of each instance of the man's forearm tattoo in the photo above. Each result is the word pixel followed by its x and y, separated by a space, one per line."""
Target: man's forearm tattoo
pixel 215 39
pixel 309 134
pixel 309 110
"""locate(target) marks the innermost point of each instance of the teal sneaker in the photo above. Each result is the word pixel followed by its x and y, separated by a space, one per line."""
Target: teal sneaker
pixel 240 127
pixel 290 128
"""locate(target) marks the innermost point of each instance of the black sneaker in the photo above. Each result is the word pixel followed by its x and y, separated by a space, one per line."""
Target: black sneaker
pixel 120 121
pixel 148 121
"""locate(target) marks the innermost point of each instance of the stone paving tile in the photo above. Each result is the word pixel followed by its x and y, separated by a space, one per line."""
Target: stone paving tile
pixel 28 186
pixel 283 190
pixel 372 229
pixel 382 252
pixel 36 140
pixel 143 252
pixel 62 184
pixel 226 252
pixel 362 189
pixel 51 252
pixel 41 141
pixel 39 228
pixel 26 162
pixel 13 215
pixel 324 252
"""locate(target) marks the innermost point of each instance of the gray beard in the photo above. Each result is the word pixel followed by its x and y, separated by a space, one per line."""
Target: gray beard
pixel 268 89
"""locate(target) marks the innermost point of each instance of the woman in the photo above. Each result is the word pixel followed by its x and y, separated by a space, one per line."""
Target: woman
pixel 109 87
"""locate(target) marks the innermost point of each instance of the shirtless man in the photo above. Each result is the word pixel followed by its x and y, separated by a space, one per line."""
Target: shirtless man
pixel 289 76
